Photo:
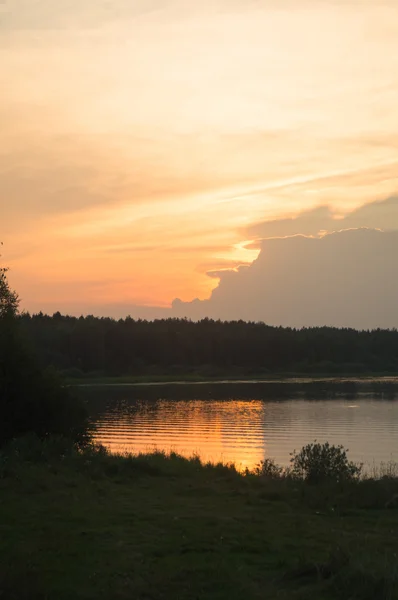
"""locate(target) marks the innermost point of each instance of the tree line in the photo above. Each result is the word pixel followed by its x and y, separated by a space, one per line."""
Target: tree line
pixel 78 346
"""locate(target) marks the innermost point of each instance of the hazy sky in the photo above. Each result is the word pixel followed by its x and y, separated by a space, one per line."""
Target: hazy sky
pixel 145 143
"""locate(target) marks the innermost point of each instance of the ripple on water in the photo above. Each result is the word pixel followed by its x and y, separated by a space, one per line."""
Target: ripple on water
pixel 246 431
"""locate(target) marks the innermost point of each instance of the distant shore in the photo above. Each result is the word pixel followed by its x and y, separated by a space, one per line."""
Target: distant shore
pixel 289 379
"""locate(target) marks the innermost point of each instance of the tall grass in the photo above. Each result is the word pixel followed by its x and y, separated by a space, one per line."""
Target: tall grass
pixel 383 470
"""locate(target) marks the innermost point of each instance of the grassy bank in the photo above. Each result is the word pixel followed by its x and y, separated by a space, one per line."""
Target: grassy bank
pixel 94 526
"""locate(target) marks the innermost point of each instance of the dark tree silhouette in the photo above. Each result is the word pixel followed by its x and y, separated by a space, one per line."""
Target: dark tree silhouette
pixel 103 346
pixel 31 399
pixel 8 298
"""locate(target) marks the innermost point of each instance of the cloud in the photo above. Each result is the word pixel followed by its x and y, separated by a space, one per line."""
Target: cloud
pixel 345 279
pixel 126 139
pixel 64 14
pixel 382 214
pixel 377 215
pixel 43 175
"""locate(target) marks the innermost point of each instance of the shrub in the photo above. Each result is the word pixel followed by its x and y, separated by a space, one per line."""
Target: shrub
pixel 268 468
pixel 319 462
pixel 34 401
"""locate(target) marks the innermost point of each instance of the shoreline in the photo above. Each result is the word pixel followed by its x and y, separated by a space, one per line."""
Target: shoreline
pixel 287 380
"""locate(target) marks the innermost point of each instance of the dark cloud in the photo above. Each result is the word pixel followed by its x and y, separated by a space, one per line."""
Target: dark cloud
pixel 376 215
pixel 382 215
pixel 342 279
pixel 306 223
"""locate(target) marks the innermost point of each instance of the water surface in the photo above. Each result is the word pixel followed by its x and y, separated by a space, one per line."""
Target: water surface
pixel 245 423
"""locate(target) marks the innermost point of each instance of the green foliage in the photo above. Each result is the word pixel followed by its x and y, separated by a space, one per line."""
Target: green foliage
pixel 32 399
pixel 318 462
pixel 269 469
pixel 8 298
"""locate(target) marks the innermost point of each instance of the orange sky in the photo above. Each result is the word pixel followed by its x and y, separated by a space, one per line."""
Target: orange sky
pixel 141 139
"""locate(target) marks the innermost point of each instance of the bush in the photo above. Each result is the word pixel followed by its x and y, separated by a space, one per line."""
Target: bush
pixel 268 468
pixel 319 462
pixel 34 401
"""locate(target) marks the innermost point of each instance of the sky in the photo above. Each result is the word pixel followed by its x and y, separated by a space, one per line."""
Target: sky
pixel 152 149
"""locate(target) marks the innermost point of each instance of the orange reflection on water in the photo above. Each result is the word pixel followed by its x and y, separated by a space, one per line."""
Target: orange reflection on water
pixel 214 430
pixel 246 431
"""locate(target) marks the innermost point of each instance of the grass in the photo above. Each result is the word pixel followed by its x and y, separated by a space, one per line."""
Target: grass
pixel 155 527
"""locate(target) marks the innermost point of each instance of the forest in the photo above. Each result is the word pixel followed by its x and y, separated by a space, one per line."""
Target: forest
pixel 81 346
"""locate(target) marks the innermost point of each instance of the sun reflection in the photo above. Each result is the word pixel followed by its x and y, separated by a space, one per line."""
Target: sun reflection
pixel 243 430
pixel 221 431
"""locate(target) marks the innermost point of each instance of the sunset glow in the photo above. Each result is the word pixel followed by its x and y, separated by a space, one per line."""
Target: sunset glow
pixel 143 140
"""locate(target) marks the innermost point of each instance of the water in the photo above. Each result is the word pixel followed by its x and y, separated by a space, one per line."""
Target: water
pixel 244 423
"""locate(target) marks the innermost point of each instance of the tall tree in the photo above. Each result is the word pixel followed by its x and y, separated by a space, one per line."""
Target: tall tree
pixel 9 300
